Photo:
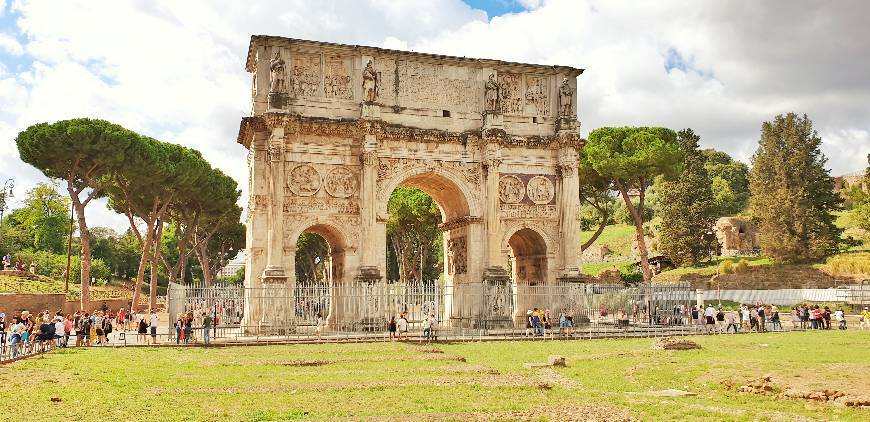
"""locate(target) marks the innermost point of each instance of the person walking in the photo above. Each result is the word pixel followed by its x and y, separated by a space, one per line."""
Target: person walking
pixel 154 319
pixel 795 317
pixel 865 318
pixel 84 331
pixel 142 330
pixel 745 316
pixel 710 318
pixel 178 327
pixel 731 319
pixel 401 326
pixel 391 328
pixel 206 328
pixel 774 318
pixel 840 316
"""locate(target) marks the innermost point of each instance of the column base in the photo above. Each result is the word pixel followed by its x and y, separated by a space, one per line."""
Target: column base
pixel 567 124
pixel 572 278
pixel 496 274
pixel 278 100
pixel 274 274
pixel 368 275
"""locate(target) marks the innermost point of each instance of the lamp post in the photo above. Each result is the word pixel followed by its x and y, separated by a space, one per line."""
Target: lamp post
pixel 5 192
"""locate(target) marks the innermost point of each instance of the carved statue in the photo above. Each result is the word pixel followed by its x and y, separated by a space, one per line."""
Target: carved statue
pixel 566 95
pixel 492 95
pixel 370 83
pixel 276 75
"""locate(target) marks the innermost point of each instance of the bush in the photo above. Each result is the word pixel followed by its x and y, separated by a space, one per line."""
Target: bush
pixel 726 267
pixel 741 266
pixel 54 265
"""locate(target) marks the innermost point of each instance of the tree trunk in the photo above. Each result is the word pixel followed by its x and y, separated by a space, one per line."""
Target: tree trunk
pixel 155 269
pixel 637 217
pixel 202 255
pixel 85 238
pixel 597 233
pixel 143 262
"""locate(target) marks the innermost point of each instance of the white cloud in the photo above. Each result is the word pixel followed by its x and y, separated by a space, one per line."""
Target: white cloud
pixel 175 70
pixel 10 45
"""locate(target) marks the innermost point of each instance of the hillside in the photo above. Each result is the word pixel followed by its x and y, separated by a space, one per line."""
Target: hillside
pixel 42 284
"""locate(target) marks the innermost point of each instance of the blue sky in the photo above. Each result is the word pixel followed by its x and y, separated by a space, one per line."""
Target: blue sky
pixel 496 7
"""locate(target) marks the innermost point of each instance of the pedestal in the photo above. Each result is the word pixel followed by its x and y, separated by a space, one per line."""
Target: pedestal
pixel 493 120
pixel 370 111
pixel 567 124
pixel 278 100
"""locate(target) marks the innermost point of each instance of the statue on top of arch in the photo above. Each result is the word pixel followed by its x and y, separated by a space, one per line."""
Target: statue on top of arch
pixel 492 95
pixel 566 97
pixel 370 83
pixel 277 82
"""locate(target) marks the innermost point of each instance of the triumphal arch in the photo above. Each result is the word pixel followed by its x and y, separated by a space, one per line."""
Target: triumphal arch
pixel 334 129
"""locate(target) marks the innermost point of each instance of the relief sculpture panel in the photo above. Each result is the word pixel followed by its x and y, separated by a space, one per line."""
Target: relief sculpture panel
pixel 305 76
pixel 511 189
pixel 541 190
pixel 538 95
pixel 304 180
pixel 457 255
pixel 337 79
pixel 429 86
pixel 341 182
pixel 511 87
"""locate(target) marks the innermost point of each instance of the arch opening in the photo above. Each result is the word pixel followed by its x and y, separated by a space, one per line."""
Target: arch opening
pixel 528 256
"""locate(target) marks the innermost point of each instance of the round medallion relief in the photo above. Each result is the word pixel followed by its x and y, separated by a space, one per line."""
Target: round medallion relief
pixel 511 189
pixel 304 180
pixel 541 190
pixel 341 183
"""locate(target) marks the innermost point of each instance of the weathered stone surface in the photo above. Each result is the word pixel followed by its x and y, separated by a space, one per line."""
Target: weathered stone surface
pixel 673 343
pixel 337 128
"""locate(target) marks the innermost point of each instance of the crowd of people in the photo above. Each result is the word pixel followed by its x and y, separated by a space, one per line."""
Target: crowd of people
pixel 27 333
pixel 761 317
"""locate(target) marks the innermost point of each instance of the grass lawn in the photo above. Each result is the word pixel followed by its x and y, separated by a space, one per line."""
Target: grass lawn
pixel 709 270
pixel 617 237
pixel 461 381
pixel 10 284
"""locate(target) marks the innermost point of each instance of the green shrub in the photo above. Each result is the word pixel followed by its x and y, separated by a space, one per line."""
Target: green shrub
pixel 741 266
pixel 726 267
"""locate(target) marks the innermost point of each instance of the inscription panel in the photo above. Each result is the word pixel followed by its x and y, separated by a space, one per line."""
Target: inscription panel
pixel 526 211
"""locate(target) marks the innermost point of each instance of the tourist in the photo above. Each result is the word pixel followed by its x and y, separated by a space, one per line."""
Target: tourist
pixel 142 330
pixel 178 327
pixel 774 318
pixel 58 331
pixel 695 316
pixel 433 327
pixel 188 329
pixel 107 327
pixel 731 320
pixel 46 333
pixel 19 266
pixel 15 337
pixel 795 317
pixel 67 329
pixel 762 318
pixel 402 325
pixel 840 316
pixel 710 317
pixel 2 333
pixel 318 327
pixel 720 319
pixel 814 323
pixel 826 316
pixel 7 261
pixel 563 320
pixel 84 330
pixel 206 328
pixel 528 322
pixel 98 326
pixel 745 317
pixel 391 328
pixel 536 322
pixel 153 325
pixel 548 323
pixel 569 322
pixel 427 328
pixel 865 318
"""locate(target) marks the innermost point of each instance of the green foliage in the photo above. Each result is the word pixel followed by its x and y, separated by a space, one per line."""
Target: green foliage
pixel 632 157
pixel 726 267
pixel 312 257
pixel 54 265
pixel 730 182
pixel 792 193
pixel 849 264
pixel 119 252
pixel 686 208
pixel 621 214
pixel 42 224
pixel 413 238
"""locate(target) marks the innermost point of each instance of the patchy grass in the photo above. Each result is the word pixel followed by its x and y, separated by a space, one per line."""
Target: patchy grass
pixel 12 284
pixel 461 381
pixel 709 270
pixel 617 237
pixel 595 268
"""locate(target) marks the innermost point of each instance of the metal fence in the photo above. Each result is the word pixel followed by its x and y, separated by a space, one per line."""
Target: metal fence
pixel 490 309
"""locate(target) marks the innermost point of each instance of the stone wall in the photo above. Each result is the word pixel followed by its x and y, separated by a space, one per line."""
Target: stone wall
pixel 13 303
pixel 737 236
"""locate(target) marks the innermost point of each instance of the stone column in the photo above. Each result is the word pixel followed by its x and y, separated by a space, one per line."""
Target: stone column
pixel 274 272
pixel 494 269
pixel 570 204
pixel 369 268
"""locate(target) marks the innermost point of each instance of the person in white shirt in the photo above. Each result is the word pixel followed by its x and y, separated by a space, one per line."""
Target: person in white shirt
pixel 840 316
pixel 402 324
pixel 153 326
pixel 58 331
pixel 710 317
pixel 744 318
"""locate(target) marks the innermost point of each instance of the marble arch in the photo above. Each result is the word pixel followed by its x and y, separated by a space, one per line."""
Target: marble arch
pixel 334 129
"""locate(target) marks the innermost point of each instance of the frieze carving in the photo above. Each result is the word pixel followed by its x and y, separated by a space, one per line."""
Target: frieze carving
pixel 423 83
pixel 511 90
pixel 305 77
pixel 388 167
pixel 528 211
pixel 351 226
pixel 457 255
pixel 261 202
pixel 540 190
pixel 307 205
pixel 304 180
pixel 336 79
pixel 538 94
pixel 459 223
pixel 511 189
pixel 341 182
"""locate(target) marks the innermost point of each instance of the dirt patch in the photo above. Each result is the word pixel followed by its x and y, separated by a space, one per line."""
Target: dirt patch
pixel 673 343
pixel 767 386
pixel 564 413
pixel 309 362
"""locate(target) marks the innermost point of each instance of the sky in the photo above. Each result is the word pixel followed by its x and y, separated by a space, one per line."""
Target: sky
pixel 174 70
